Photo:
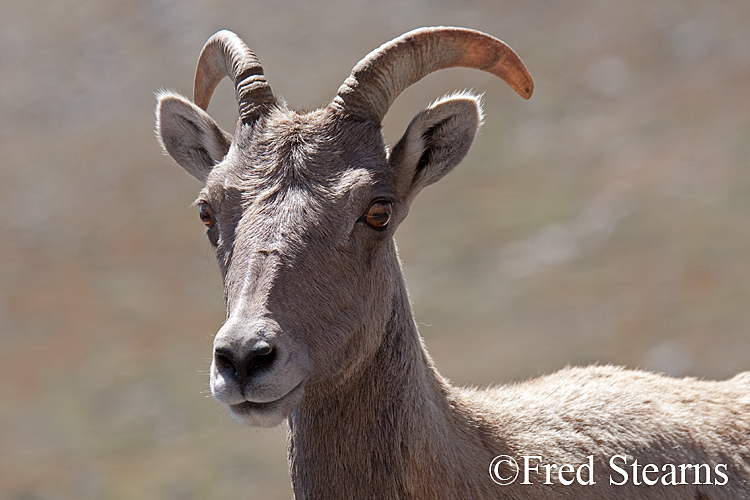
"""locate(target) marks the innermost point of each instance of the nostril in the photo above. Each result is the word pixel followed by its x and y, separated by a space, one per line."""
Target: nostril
pixel 225 364
pixel 261 356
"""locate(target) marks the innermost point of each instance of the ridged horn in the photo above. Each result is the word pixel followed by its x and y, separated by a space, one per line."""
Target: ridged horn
pixel 225 54
pixel 378 79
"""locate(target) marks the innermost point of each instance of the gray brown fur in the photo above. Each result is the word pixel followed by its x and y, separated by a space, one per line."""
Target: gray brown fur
pixel 319 326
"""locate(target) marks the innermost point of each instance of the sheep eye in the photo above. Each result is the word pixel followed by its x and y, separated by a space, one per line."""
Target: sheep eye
pixel 206 215
pixel 379 214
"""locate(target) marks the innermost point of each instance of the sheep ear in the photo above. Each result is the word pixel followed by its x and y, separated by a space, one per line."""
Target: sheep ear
pixel 189 135
pixel 436 140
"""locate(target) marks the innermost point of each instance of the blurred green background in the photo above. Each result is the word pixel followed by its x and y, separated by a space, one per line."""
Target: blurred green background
pixel 606 220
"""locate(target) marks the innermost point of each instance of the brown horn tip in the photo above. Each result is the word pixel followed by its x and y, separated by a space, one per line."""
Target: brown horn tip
pixel 502 62
pixel 378 79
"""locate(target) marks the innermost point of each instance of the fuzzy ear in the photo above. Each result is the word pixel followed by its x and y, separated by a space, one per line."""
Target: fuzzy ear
pixel 436 140
pixel 189 135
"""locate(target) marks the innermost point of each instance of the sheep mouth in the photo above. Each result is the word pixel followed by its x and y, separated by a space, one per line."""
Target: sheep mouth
pixel 268 414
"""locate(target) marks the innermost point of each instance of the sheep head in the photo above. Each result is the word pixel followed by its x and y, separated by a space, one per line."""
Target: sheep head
pixel 302 206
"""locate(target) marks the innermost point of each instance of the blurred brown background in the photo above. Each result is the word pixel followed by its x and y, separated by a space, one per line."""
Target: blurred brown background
pixel 607 220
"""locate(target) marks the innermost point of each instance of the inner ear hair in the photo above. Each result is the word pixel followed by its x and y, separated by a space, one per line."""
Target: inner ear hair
pixel 437 140
pixel 189 135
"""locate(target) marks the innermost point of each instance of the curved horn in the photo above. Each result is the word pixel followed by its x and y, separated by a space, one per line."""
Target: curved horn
pixel 225 54
pixel 378 79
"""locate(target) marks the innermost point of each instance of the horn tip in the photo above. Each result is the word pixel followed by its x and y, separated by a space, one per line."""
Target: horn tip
pixel 526 91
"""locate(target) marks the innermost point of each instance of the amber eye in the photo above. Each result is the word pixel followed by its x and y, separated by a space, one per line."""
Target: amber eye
pixel 379 214
pixel 206 215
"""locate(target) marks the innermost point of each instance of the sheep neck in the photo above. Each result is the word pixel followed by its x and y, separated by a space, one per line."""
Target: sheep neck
pixel 396 430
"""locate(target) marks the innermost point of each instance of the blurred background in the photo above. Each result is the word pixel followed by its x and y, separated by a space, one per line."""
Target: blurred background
pixel 606 220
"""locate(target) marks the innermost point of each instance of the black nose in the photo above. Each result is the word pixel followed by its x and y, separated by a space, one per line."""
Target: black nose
pixel 241 365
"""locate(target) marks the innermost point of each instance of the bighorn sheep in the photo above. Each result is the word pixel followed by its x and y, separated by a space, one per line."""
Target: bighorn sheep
pixel 301 208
